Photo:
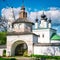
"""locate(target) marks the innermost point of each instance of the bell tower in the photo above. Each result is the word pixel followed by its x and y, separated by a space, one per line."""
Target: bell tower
pixel 23 13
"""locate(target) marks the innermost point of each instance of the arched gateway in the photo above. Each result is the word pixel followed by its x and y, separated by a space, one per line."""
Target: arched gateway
pixel 21 38
pixel 19 48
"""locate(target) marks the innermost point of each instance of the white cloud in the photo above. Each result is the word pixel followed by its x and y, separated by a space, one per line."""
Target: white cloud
pixel 8 13
pixel 52 12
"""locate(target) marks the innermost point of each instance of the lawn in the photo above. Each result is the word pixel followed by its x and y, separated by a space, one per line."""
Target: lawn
pixel 42 57
pixel 7 58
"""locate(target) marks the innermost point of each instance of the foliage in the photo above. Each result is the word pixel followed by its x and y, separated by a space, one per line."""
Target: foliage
pixel 2 38
pixel 7 59
pixel 12 59
pixel 25 53
pixel 4 52
pixel 46 57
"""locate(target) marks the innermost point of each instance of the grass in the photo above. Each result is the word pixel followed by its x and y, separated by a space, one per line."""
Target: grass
pixel 7 58
pixel 46 57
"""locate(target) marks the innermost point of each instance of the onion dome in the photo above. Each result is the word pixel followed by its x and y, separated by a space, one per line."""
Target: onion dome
pixel 49 21
pixel 36 20
pixel 43 15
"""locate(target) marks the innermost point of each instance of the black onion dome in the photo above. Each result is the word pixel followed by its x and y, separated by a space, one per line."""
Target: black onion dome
pixel 36 20
pixel 49 20
pixel 43 15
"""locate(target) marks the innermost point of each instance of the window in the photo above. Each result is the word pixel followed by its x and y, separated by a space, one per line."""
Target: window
pixel 12 26
pixel 9 26
pixel 43 35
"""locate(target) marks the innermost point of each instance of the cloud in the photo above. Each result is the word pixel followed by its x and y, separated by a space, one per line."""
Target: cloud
pixel 8 13
pixel 54 8
pixel 52 12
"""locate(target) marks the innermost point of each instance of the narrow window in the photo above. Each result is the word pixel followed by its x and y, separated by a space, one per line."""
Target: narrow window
pixel 9 26
pixel 43 35
pixel 12 26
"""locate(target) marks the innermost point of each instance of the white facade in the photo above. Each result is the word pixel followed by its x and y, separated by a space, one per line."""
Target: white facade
pixel 47 50
pixel 43 24
pixel 36 25
pixel 22 27
pixel 43 33
pixel 49 25
pixel 14 40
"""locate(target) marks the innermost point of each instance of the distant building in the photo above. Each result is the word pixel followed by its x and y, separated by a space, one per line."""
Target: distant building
pixel 42 40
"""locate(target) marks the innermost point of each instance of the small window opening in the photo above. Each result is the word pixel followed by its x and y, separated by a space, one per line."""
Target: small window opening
pixel 43 35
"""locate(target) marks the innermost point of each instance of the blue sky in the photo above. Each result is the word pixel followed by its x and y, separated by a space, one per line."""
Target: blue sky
pixel 52 6
pixel 33 4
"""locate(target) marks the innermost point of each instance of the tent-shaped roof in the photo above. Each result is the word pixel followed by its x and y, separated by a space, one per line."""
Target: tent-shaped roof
pixel 55 37
pixel 22 20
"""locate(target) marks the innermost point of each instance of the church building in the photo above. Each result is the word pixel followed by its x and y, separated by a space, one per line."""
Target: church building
pixel 21 37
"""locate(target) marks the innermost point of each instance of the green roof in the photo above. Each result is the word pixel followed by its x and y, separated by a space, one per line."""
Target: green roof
pixel 55 37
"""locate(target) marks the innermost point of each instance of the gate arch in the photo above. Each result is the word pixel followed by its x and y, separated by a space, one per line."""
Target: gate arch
pixel 18 48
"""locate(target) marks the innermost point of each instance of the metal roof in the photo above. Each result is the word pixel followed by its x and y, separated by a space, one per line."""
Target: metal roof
pixel 22 20
pixel 55 37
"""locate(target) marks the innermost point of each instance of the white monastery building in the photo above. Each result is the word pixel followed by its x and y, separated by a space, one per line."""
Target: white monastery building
pixel 21 37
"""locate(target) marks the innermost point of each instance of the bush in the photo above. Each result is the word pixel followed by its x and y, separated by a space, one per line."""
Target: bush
pixel 46 57
pixel 7 59
pixel 25 53
pixel 12 59
pixel 3 38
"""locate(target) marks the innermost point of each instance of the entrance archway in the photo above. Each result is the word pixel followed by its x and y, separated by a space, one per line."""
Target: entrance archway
pixel 19 48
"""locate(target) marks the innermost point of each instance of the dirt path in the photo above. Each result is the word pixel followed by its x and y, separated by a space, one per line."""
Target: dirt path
pixel 22 58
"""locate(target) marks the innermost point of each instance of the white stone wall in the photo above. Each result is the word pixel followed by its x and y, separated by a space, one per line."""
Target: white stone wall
pixel 43 24
pixel 28 39
pixel 35 39
pixel 28 27
pixel 47 50
pixel 19 27
pixel 22 27
pixel 55 41
pixel 49 25
pixel 41 32
pixel 36 25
